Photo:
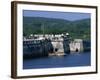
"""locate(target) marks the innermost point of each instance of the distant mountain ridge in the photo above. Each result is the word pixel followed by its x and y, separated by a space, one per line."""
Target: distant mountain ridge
pixel 76 29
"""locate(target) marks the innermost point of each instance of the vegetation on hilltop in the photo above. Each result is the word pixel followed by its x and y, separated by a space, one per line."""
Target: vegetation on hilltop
pixel 76 29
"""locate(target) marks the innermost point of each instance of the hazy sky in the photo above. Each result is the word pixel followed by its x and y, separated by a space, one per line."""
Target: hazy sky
pixel 72 16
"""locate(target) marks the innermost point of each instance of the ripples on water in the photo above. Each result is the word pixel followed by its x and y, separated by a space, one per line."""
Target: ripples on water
pixel 71 60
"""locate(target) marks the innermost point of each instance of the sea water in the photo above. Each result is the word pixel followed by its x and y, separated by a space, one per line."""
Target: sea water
pixel 70 60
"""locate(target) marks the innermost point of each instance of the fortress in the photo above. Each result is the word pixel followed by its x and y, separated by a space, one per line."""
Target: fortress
pixel 49 45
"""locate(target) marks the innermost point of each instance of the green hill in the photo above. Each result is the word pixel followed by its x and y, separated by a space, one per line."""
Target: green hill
pixel 76 29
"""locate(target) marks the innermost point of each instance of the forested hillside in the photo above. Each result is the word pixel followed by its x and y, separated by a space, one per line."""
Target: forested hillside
pixel 76 29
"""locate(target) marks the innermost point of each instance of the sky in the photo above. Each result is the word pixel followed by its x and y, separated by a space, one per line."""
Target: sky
pixel 71 16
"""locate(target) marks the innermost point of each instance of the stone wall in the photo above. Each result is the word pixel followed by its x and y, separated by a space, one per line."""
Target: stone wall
pixel 76 45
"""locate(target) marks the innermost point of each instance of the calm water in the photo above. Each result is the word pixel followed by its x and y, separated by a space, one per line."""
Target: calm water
pixel 71 60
